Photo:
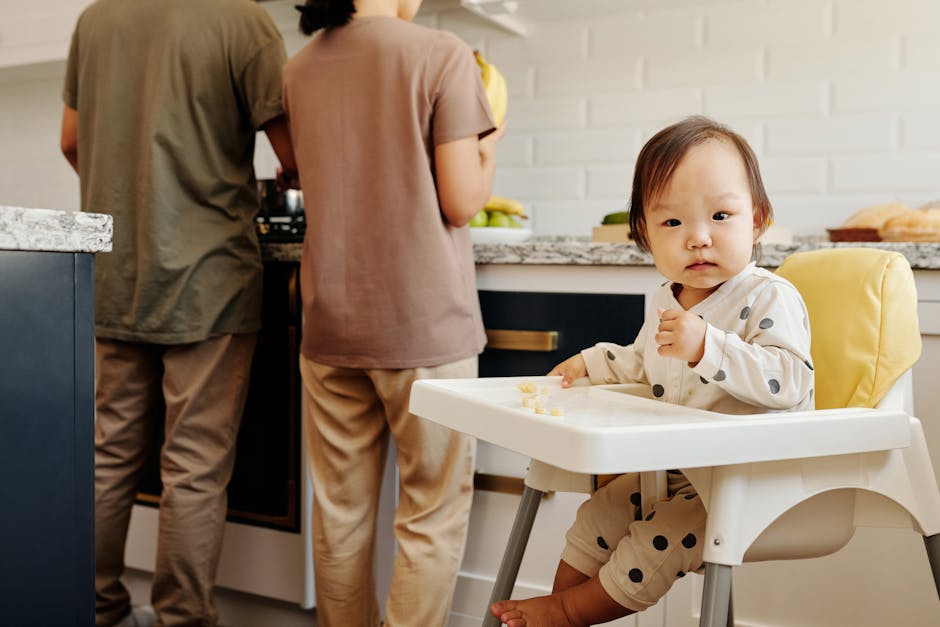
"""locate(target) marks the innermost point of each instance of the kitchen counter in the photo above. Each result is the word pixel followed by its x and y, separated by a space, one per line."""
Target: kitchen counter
pixel 574 251
pixel 51 230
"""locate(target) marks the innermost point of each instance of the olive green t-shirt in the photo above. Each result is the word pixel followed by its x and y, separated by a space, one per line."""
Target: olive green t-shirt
pixel 170 94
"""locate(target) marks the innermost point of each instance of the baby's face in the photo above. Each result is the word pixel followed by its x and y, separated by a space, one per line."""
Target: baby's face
pixel 701 228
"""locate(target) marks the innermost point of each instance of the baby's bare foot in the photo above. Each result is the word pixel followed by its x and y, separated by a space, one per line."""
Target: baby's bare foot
pixel 544 611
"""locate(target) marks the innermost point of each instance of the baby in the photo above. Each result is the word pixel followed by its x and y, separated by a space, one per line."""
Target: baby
pixel 727 336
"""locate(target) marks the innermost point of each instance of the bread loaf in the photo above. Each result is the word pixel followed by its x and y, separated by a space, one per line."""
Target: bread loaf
pixel 875 216
pixel 922 225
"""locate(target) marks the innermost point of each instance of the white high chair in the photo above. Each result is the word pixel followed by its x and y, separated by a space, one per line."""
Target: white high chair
pixel 863 315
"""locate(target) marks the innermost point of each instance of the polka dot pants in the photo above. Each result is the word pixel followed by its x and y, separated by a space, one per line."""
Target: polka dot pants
pixel 637 559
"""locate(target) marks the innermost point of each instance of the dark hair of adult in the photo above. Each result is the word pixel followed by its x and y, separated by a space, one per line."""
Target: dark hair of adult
pixel 661 155
pixel 318 14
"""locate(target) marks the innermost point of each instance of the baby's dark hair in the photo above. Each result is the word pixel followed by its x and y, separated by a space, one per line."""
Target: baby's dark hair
pixel 319 14
pixel 663 152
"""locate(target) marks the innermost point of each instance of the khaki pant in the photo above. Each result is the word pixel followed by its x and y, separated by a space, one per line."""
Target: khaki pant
pixel 350 414
pixel 200 390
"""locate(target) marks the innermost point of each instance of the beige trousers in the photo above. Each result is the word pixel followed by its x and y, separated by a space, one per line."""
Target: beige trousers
pixel 200 390
pixel 349 415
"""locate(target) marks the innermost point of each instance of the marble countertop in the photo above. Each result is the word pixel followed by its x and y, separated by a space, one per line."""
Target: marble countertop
pixel 54 231
pixel 69 231
pixel 575 251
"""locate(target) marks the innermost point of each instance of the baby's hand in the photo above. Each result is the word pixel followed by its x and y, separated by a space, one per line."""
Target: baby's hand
pixel 570 369
pixel 681 335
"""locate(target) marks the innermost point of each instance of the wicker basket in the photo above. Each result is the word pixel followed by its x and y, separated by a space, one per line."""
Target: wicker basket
pixel 854 235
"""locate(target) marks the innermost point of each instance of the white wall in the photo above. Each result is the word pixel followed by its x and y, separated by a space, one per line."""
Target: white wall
pixel 838 97
pixel 33 173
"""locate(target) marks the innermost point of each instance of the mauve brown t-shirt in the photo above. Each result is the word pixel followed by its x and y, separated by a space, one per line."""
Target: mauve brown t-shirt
pixel 386 282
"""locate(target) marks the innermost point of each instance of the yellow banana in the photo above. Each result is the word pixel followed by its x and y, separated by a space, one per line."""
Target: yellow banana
pixel 509 206
pixel 495 86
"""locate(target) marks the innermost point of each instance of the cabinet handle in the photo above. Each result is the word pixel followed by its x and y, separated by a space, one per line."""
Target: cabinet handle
pixel 512 340
pixel 498 483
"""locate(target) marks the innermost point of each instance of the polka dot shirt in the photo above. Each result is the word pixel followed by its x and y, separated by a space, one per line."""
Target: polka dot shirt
pixel 757 350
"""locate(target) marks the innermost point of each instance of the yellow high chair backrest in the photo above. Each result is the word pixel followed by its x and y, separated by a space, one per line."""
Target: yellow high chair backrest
pixel 862 306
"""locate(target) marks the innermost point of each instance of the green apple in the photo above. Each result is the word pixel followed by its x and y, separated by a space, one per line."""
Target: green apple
pixel 515 222
pixel 479 219
pixel 499 219
pixel 617 217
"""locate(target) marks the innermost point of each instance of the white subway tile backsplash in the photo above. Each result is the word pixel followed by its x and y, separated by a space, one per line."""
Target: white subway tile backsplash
pixel 514 151
pixel 832 135
pixel 586 147
pixel 539 183
pixel 920 131
pixel 861 19
pixel 645 34
pixel 838 98
pixel 520 79
pixel 578 217
pixel 543 114
pixel 879 53
pixel 767 99
pixel 548 42
pixel 471 28
pixel 922 51
pixel 703 68
pixel 802 22
pixel 584 76
pixel 794 175
pixel 887 175
pixel 887 91
pixel 660 105
pixel 610 181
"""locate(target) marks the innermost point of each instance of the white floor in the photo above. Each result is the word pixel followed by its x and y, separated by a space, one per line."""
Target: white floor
pixel 236 609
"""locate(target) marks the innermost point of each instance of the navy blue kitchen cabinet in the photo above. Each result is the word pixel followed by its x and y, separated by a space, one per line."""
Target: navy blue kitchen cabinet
pixel 46 439
pixel 554 326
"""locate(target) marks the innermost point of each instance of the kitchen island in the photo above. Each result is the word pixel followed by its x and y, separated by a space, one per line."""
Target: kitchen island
pixel 47 414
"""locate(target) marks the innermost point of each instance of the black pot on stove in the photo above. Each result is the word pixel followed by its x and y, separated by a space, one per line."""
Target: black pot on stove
pixel 281 217
pixel 279 203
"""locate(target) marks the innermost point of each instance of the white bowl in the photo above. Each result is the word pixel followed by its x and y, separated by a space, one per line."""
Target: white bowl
pixel 498 235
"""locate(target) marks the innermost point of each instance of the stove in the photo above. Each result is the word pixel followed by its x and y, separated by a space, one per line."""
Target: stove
pixel 281 217
pixel 280 228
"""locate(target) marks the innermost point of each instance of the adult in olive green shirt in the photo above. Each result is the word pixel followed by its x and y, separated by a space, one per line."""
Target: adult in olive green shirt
pixel 162 103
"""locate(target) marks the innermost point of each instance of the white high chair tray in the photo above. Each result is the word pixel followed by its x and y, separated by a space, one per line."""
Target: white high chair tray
pixel 609 429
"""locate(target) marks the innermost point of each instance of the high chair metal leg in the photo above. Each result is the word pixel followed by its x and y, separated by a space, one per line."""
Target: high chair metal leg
pixel 716 596
pixel 933 556
pixel 515 549
pixel 730 604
